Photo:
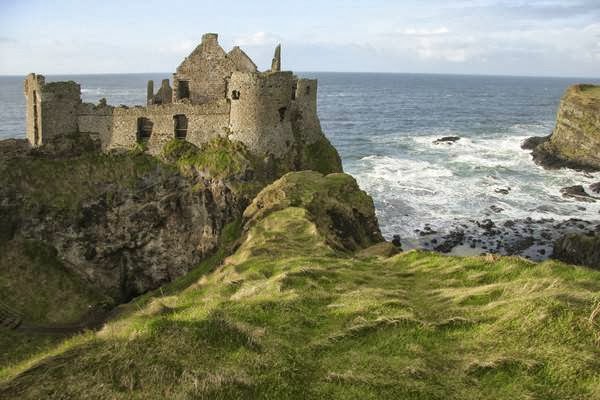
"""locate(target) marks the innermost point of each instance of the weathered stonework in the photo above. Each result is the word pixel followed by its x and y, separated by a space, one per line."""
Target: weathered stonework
pixel 213 93
pixel 163 96
pixel 52 109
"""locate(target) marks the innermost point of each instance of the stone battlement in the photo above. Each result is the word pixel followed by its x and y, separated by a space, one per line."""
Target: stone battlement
pixel 212 93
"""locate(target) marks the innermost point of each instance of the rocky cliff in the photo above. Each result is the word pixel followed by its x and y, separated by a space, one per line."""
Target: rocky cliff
pixel 129 222
pixel 575 141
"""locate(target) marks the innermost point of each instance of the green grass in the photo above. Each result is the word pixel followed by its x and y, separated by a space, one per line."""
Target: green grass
pixel 591 90
pixel 217 158
pixel 34 283
pixel 64 184
pixel 286 316
pixel 584 95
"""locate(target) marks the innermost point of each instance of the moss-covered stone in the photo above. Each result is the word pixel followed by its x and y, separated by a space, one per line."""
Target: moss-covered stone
pixel 343 213
pixel 320 156
pixel 578 249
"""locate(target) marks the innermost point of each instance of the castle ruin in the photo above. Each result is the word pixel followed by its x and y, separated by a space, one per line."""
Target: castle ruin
pixel 212 93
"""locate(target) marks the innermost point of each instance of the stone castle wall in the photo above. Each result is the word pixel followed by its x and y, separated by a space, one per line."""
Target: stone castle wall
pixel 96 121
pixel 52 109
pixel 33 120
pixel 207 69
pixel 261 109
pixel 304 110
pixel 268 111
pixel 204 122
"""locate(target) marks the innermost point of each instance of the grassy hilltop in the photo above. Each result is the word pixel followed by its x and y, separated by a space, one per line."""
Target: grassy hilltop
pixel 311 304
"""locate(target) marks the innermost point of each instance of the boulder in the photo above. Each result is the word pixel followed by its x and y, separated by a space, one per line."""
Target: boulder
pixel 578 249
pixel 578 193
pixel 533 142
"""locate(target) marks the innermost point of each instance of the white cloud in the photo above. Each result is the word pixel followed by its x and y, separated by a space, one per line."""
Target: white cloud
pixel 179 47
pixel 424 32
pixel 257 39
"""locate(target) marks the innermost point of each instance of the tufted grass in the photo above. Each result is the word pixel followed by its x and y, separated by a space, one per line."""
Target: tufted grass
pixel 62 185
pixel 35 284
pixel 591 90
pixel 288 317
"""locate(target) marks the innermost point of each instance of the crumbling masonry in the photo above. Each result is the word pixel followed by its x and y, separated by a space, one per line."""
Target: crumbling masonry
pixel 213 93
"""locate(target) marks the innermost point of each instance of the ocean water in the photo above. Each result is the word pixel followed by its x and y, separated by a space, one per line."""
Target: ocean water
pixel 384 126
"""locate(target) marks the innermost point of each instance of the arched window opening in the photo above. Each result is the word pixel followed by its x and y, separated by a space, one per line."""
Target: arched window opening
pixel 180 123
pixel 294 88
pixel 144 129
pixel 308 90
pixel 235 95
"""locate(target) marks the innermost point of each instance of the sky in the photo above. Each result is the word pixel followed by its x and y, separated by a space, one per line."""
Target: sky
pixel 495 37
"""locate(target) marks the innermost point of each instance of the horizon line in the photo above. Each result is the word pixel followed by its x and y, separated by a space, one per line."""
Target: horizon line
pixel 329 72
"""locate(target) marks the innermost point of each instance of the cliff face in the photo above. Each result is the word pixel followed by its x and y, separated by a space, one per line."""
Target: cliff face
pixel 128 222
pixel 575 142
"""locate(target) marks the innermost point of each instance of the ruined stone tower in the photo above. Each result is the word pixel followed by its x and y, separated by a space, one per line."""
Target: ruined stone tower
pixel 51 109
pixel 212 93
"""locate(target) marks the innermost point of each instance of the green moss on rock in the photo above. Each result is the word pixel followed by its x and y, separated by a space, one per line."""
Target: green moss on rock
pixel 343 213
pixel 320 156
pixel 217 158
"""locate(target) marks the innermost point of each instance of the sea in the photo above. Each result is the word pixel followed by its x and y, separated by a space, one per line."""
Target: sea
pixel 384 127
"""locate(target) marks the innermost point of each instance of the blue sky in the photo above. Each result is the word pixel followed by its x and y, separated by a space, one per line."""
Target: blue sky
pixel 509 37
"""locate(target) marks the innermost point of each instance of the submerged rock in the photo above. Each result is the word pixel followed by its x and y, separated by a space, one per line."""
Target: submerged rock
pixel 447 140
pixel 496 209
pixel 532 238
pixel 520 245
pixel 450 241
pixel 533 142
pixel 578 193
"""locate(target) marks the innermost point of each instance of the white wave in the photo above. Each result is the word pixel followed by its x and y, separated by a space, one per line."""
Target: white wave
pixel 441 184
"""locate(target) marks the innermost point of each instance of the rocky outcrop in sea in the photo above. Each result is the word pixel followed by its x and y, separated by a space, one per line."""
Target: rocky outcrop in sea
pixel 575 140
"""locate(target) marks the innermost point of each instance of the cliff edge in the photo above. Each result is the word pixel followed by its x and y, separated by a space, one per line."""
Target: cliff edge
pixel 575 141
